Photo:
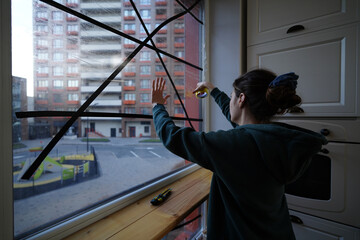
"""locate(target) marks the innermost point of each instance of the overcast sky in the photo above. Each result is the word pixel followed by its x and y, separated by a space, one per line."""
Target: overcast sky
pixel 22 47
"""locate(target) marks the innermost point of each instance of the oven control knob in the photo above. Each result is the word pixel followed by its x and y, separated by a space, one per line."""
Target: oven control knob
pixel 325 131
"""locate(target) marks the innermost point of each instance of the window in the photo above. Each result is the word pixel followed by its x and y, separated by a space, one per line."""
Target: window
pixel 145 13
pixel 43 83
pixel 71 59
pixel 58 71
pixel 145 84
pixel 129 82
pixel 57 16
pixel 145 56
pixel 73 83
pixel 58 83
pixel 145 97
pixel 58 56
pixel 73 97
pixel 145 70
pixel 58 43
pixel 43 56
pixel 58 29
pixel 129 96
pixel 148 27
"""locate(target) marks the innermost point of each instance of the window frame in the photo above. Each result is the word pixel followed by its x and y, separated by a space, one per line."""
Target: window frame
pixel 6 202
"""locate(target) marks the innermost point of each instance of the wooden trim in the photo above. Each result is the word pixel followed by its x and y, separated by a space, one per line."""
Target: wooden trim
pixel 141 220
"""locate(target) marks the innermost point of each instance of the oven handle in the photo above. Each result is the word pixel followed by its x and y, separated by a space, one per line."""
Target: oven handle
pixel 296 219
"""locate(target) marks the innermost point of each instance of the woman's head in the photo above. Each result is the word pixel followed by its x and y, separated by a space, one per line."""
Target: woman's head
pixel 265 101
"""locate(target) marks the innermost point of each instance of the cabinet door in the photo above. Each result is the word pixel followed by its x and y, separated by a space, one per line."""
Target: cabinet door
pixel 326 62
pixel 312 228
pixel 270 20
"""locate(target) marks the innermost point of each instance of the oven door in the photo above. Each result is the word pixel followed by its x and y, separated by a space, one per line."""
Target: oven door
pixel 322 186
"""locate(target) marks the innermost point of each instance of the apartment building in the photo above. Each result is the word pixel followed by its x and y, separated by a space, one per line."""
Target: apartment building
pixel 74 57
pixel 56 64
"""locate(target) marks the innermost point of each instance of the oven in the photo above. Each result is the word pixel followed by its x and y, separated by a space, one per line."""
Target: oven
pixel 330 187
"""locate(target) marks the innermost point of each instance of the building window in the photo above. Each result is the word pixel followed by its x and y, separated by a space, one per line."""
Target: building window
pixel 145 56
pixel 58 43
pixel 43 83
pixel 43 70
pixel 58 71
pixel 58 29
pixel 145 14
pixel 43 56
pixel 57 16
pixel 130 110
pixel 145 84
pixel 145 2
pixel 73 97
pixel 148 27
pixel 129 27
pixel 41 15
pixel 129 13
pixel 129 82
pixel 58 84
pixel 130 68
pixel 145 97
pixel 145 70
pixel 73 83
pixel 58 57
pixel 57 98
pixel 72 69
pixel 130 96
pixel 41 28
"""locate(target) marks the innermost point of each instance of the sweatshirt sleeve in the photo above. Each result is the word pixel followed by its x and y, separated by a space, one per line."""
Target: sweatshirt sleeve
pixel 223 101
pixel 184 142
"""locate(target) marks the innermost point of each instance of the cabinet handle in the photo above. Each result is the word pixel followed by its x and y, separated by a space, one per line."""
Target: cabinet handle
pixel 325 131
pixel 296 219
pixel 295 28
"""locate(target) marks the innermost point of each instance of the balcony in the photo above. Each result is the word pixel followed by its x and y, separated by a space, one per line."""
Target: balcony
pixel 180 87
pixel 42 102
pixel 129 74
pixel 179 73
pixel 103 103
pixel 162 31
pixel 71 19
pixel 72 74
pixel 72 88
pixel 42 74
pixel 129 18
pixel 130 32
pixel 161 45
pixel 161 3
pixel 160 73
pixel 41 19
pixel 158 59
pixel 129 102
pixel 179 45
pixel 42 88
pixel 129 88
pixel 41 47
pixel 72 33
pixel 179 30
pixel 96 5
pixel 108 89
pixel 179 115
pixel 72 5
pixel 72 102
pixel 161 17
pixel 101 47
pixel 129 45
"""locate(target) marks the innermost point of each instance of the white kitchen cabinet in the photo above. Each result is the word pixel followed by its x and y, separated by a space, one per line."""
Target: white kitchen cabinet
pixel 312 228
pixel 327 64
pixel 270 20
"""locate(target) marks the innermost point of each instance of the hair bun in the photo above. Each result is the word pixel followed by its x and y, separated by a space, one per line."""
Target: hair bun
pixel 282 98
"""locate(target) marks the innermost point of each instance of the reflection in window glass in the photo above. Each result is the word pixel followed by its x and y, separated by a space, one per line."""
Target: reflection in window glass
pixel 69 60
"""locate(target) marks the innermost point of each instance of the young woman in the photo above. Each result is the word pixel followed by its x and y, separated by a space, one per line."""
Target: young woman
pixel 251 162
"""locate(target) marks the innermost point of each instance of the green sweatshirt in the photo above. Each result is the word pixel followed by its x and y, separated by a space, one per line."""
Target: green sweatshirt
pixel 251 165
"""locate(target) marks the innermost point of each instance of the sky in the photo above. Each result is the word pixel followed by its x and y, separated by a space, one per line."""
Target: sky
pixel 22 42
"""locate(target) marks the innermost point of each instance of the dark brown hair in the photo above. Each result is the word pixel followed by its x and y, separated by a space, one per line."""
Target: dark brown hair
pixel 262 100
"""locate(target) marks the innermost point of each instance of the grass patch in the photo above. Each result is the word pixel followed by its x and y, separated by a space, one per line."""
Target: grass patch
pixel 18 145
pixel 151 140
pixel 95 140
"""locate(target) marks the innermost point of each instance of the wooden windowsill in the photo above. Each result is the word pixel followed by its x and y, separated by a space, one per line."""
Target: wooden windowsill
pixel 141 220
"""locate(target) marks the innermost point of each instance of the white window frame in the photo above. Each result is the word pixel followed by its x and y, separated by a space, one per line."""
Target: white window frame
pixel 65 228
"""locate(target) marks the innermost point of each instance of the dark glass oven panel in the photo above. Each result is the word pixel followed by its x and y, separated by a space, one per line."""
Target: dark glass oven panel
pixel 315 183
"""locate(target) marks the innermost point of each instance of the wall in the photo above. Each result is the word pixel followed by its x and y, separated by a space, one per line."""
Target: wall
pixel 226 45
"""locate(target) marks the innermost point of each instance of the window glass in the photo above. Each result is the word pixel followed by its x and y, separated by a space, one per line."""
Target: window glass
pixel 67 60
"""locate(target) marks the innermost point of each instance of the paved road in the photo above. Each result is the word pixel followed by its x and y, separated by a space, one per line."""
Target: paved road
pixel 124 163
